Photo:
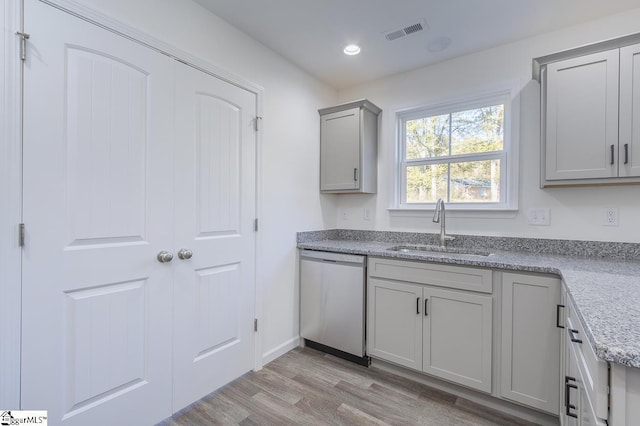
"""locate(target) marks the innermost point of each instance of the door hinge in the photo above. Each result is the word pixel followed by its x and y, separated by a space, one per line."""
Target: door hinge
pixel 255 225
pixel 23 44
pixel 21 234
pixel 258 120
pixel 255 324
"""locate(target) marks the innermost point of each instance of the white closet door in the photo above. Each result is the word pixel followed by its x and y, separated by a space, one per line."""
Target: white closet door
pixel 98 208
pixel 214 213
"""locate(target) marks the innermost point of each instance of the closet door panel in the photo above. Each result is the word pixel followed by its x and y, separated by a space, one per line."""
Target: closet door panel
pixel 96 338
pixel 215 209
pixel 217 165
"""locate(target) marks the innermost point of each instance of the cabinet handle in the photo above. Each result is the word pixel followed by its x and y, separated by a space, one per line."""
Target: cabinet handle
pixel 626 153
pixel 612 149
pixel 418 306
pixel 426 313
pixel 558 316
pixel 567 396
pixel 355 174
pixel 572 335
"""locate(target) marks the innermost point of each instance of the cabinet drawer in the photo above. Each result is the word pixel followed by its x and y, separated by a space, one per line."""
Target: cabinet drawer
pixel 593 370
pixel 459 277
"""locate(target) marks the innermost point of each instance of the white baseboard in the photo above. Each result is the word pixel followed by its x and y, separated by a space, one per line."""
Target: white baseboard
pixel 280 350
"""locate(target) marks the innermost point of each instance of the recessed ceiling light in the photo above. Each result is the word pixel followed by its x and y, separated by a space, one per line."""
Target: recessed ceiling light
pixel 351 49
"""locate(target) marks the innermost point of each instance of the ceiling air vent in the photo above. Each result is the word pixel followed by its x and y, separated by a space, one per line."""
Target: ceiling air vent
pixel 405 30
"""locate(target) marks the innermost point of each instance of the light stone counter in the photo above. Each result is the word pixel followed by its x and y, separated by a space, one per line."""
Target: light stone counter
pixel 604 284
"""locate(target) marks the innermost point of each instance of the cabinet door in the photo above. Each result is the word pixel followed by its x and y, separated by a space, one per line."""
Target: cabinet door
pixel 457 337
pixel 629 102
pixel 582 117
pixel 573 390
pixel 530 360
pixel 577 409
pixel 340 150
pixel 394 322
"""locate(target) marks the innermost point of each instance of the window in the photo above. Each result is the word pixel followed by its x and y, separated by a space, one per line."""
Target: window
pixel 458 152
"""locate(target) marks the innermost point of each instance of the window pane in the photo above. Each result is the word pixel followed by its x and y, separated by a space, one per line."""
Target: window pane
pixel 477 130
pixel 427 137
pixel 425 184
pixel 475 182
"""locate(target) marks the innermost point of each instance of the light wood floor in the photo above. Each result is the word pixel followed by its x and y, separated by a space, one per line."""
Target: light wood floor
pixel 307 387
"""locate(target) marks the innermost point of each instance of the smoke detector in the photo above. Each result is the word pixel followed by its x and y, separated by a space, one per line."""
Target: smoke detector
pixel 405 30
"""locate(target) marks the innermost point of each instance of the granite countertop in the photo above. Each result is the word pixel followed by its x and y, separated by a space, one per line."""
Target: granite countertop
pixel 604 285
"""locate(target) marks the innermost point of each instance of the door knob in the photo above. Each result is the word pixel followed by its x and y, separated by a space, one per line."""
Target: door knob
pixel 164 257
pixel 185 254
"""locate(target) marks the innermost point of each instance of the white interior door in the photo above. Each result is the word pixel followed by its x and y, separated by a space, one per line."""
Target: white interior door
pixel 98 116
pixel 214 290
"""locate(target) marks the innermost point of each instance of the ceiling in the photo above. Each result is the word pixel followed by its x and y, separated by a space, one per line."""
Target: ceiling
pixel 312 33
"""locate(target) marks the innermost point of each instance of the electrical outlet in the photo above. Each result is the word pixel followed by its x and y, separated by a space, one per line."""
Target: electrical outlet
pixel 539 216
pixel 345 214
pixel 367 213
pixel 611 216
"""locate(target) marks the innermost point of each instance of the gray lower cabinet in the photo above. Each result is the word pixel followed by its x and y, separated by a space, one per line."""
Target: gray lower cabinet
pixel 394 323
pixel 578 409
pixel 530 341
pixel 573 392
pixel 586 399
pixel 457 337
pixel 439 320
pixel 594 392
pixel 439 331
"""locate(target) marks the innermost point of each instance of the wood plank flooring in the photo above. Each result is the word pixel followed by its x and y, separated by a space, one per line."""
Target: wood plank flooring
pixel 308 387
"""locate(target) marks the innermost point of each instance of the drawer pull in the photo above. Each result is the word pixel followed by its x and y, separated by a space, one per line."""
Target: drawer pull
pixel 418 306
pixel 567 396
pixel 572 335
pixel 558 316
pixel 426 313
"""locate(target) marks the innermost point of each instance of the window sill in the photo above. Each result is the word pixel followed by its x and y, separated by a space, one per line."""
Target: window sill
pixel 501 212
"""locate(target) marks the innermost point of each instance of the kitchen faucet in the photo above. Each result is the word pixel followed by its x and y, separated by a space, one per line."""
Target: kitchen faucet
pixel 439 216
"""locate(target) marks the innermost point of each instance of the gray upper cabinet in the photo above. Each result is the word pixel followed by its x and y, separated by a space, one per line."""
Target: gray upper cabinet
pixel 629 157
pixel 348 148
pixel 582 117
pixel 591 134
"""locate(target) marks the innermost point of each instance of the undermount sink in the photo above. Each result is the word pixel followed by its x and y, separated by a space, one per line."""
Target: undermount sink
pixel 438 250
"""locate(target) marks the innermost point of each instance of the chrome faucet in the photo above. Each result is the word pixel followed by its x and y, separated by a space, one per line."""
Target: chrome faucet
pixel 439 216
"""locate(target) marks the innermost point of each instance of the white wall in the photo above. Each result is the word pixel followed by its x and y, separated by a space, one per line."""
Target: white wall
pixel 290 153
pixel 576 213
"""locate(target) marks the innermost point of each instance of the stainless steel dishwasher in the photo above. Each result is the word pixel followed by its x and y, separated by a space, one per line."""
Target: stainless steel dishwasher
pixel 332 303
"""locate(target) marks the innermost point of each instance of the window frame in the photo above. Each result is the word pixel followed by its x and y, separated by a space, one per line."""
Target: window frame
pixel 508 156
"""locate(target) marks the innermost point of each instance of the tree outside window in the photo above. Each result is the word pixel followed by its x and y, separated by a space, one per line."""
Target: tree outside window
pixel 457 156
